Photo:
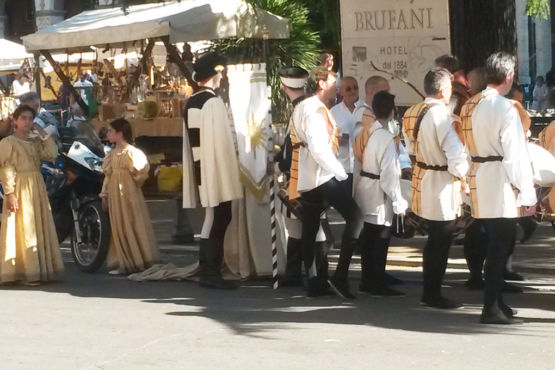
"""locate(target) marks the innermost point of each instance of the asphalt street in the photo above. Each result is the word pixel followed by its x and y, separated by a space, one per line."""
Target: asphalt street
pixel 97 321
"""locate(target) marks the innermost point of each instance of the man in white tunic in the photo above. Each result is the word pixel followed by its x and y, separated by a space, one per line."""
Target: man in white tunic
pixel 319 182
pixel 211 169
pixel 293 81
pixel 501 177
pixel 343 114
pixel 440 160
pixel 364 113
pixel 378 194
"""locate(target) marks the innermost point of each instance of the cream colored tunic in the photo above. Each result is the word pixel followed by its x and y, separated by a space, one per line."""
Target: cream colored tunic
pixel 501 186
pixel 29 245
pixel 133 245
pixel 379 199
pixel 439 145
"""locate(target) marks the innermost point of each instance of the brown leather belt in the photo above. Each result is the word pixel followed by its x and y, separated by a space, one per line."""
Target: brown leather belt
pixel 298 145
pixel 369 175
pixel 491 158
pixel 430 167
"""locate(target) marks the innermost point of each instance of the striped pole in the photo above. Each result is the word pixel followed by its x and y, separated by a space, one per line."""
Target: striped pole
pixel 273 229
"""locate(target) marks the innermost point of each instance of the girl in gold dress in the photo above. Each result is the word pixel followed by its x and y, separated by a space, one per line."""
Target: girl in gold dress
pixel 29 248
pixel 133 247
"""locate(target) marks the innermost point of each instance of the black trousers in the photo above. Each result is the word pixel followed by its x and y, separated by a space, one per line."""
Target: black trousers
pixel 374 243
pixel 501 237
pixel 211 253
pixel 314 202
pixel 476 245
pixel 475 248
pixel 436 253
pixel 293 268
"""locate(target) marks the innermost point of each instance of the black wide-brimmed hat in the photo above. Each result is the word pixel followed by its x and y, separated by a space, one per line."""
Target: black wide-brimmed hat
pixel 208 65
pixel 293 77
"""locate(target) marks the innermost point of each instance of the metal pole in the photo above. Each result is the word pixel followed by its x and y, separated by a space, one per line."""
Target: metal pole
pixel 273 228
pixel 37 74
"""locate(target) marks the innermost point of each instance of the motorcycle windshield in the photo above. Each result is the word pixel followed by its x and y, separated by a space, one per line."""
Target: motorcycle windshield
pixel 84 132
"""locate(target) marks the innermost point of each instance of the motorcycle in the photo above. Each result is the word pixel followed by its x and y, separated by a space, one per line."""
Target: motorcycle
pixel 74 184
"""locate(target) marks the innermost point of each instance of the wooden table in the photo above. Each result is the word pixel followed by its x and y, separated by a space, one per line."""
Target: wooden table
pixel 160 126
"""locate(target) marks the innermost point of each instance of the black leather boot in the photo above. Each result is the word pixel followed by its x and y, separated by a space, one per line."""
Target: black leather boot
pixel 293 269
pixel 212 276
pixel 494 315
pixel 321 259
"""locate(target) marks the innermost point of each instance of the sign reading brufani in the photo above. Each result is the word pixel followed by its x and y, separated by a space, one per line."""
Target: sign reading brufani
pixel 402 37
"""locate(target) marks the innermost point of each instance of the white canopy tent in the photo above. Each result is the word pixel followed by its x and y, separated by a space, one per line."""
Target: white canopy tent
pixel 188 20
pixel 12 55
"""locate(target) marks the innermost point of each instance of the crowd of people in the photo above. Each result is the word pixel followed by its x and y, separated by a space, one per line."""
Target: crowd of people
pixel 466 138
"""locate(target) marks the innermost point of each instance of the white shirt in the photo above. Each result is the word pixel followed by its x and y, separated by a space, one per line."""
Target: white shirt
pixel 379 198
pixel 540 95
pixel 82 85
pixel 439 146
pixel 345 124
pixel 317 161
pixel 497 131
pixel 19 89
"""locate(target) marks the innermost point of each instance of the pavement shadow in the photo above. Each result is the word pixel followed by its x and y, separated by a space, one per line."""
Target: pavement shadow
pixel 256 310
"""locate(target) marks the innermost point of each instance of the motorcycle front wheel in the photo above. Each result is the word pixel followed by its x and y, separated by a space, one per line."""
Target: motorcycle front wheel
pixel 94 224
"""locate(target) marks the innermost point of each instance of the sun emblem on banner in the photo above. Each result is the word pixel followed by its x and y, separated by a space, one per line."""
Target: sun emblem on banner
pixel 256 136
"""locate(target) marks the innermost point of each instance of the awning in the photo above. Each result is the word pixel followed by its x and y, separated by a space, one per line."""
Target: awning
pixel 188 20
pixel 11 56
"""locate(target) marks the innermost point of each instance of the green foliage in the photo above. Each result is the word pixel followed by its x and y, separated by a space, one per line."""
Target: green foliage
pixel 538 8
pixel 324 15
pixel 301 49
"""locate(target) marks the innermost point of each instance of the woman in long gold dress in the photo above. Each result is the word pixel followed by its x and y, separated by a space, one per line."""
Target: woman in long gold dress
pixel 29 247
pixel 133 247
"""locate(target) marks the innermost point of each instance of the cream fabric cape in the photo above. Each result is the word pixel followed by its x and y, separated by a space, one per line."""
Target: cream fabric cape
pixel 218 160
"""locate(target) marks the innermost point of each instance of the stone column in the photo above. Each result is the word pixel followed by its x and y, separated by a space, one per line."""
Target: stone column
pixel 543 46
pixel 523 54
pixel 49 12
pixel 3 18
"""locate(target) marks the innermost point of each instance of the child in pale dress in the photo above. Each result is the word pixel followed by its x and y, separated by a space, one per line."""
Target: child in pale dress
pixel 133 246
pixel 29 248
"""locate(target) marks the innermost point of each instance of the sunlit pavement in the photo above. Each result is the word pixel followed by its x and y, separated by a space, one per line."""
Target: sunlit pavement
pixel 96 321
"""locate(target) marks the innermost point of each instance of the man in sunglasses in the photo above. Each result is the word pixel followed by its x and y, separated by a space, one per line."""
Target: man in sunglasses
pixel 343 114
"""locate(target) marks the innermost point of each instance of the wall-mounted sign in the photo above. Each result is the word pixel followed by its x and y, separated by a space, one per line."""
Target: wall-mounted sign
pixel 402 37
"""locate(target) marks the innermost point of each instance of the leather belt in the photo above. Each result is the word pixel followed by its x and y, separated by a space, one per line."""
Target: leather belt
pixel 491 158
pixel 298 145
pixel 430 167
pixel 369 175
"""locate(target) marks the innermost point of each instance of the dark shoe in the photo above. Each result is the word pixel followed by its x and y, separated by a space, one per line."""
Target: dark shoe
pixel 216 282
pixel 288 280
pixel 441 303
pixel 475 283
pixel 496 316
pixel 511 288
pixel 341 288
pixel 317 287
pixel 514 276
pixel 508 311
pixel 386 292
pixel 391 280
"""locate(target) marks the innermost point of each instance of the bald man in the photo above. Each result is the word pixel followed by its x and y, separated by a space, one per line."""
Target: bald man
pixel 364 112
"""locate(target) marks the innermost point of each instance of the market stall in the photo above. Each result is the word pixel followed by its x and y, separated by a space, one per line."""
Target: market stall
pixel 137 29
